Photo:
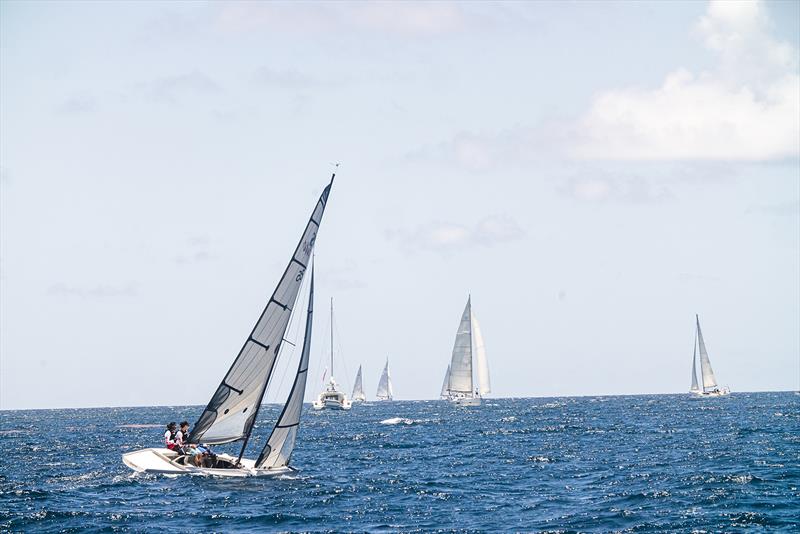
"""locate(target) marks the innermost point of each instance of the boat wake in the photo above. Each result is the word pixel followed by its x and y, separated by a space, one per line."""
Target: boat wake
pixel 398 421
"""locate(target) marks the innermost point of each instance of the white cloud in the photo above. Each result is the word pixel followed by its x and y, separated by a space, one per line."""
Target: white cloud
pixel 446 237
pixel 748 108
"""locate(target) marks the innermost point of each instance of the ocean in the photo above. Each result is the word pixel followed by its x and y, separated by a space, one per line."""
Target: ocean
pixel 654 463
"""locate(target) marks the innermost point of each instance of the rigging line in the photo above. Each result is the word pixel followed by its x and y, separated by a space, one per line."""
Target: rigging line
pixel 341 354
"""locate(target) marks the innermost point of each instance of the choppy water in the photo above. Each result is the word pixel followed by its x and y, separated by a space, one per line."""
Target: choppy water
pixel 643 464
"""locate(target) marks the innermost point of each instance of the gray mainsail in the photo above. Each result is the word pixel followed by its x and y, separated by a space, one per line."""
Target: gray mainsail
pixel 461 362
pixel 694 387
pixel 278 450
pixel 709 381
pixel 232 410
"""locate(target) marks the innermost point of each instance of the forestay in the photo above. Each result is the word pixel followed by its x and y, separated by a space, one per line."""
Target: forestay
pixel 705 364
pixel 231 412
pixel 278 450
pixel 461 362
pixel 484 386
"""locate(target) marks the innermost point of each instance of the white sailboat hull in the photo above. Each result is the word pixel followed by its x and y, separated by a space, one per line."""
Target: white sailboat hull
pixel 716 393
pixel 163 461
pixel 466 401
pixel 332 399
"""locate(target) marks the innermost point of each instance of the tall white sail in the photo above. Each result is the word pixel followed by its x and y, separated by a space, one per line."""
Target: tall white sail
pixel 484 385
pixel 232 410
pixel 695 388
pixel 461 362
pixel 278 450
pixel 385 384
pixel 705 364
pixel 446 383
pixel 358 388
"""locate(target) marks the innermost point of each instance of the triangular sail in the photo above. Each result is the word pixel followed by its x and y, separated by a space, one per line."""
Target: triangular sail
pixel 231 412
pixel 705 364
pixel 385 384
pixel 461 362
pixel 446 383
pixel 278 450
pixel 695 387
pixel 358 388
pixel 484 385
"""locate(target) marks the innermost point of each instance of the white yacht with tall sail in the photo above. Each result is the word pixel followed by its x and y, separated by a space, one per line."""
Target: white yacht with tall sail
pixel 468 349
pixel 709 386
pixel 331 398
pixel 385 390
pixel 358 388
pixel 231 413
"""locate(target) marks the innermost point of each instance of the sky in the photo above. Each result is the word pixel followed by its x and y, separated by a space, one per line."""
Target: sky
pixel 593 173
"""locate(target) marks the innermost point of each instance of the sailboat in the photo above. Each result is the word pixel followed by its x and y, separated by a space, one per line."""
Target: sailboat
pixel 468 349
pixel 385 390
pixel 445 384
pixel 231 414
pixel 331 397
pixel 709 387
pixel 358 388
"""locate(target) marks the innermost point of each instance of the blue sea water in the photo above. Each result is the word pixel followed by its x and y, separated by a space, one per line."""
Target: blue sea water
pixel 595 464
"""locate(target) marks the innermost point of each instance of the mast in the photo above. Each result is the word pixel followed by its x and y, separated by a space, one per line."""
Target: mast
pixel 471 351
pixel 331 337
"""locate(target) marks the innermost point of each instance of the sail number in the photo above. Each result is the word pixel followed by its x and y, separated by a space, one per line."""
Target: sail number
pixel 308 244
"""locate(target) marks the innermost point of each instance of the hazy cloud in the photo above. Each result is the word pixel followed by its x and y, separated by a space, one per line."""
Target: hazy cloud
pixel 197 250
pixel 778 209
pixel 101 291
pixel 747 109
pixel 599 188
pixel 170 88
pixel 285 79
pixel 77 104
pixel 445 237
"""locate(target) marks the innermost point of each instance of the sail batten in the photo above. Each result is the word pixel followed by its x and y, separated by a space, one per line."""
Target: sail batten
pixel 230 414
pixel 461 361
pixel 278 450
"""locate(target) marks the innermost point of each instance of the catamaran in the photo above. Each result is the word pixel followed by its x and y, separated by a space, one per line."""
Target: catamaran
pixel 468 346
pixel 385 390
pixel 331 397
pixel 710 387
pixel 358 388
pixel 231 414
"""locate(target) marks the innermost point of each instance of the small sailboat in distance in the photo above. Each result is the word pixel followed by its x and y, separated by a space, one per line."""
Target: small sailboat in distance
pixel 331 397
pixel 231 413
pixel 358 388
pixel 709 387
pixel 468 346
pixel 385 390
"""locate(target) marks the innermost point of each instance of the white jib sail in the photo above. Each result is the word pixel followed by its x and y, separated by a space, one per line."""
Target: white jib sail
pixel 705 364
pixel 385 384
pixel 358 388
pixel 461 362
pixel 694 387
pixel 484 385
pixel 446 383
pixel 278 450
pixel 230 413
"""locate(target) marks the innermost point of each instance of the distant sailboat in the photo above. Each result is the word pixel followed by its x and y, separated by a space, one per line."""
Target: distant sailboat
pixel 445 384
pixel 331 397
pixel 358 388
pixel 385 390
pixel 709 387
pixel 468 346
pixel 231 413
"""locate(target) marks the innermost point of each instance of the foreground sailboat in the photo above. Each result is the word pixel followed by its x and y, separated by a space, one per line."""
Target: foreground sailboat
pixel 710 387
pixel 358 388
pixel 232 411
pixel 385 390
pixel 331 397
pixel 459 388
